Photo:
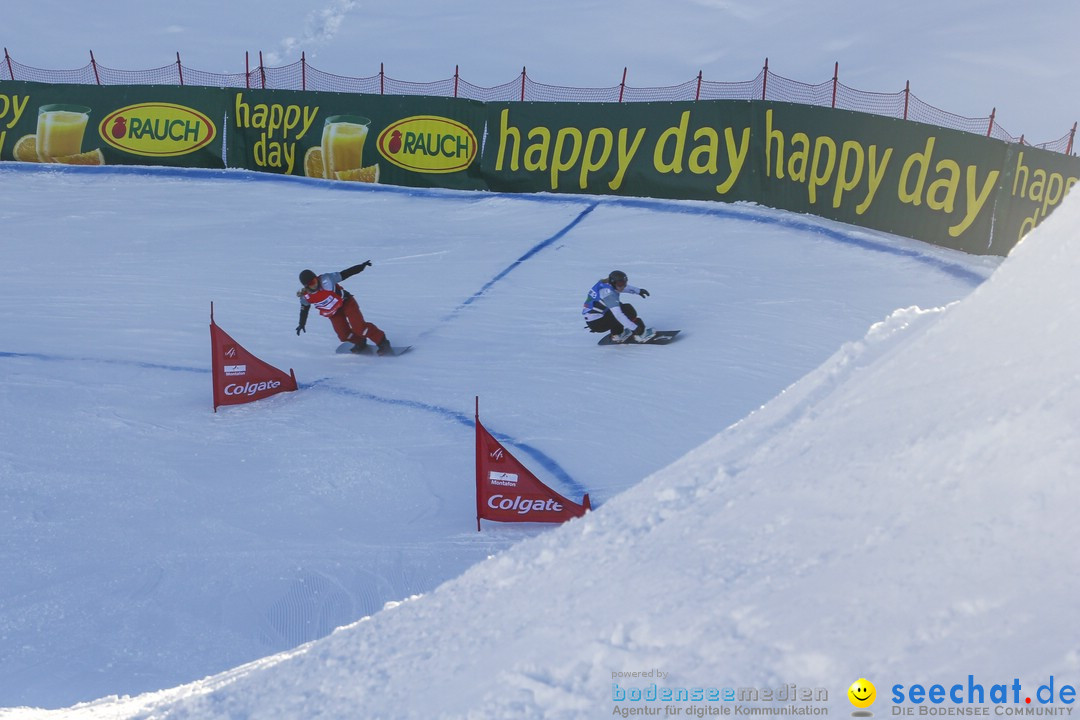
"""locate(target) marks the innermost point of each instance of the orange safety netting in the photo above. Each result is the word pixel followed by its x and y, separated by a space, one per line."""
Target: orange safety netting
pixel 766 86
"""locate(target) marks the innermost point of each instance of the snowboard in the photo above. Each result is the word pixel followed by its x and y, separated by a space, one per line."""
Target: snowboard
pixel 369 349
pixel 662 337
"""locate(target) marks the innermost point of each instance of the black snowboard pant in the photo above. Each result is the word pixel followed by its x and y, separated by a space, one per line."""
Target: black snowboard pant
pixel 608 323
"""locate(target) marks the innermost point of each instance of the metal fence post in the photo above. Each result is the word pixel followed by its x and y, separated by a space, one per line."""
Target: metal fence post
pixel 835 77
pixel 93 63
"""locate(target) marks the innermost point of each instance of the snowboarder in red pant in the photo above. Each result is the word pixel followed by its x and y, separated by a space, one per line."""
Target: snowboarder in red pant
pixel 335 302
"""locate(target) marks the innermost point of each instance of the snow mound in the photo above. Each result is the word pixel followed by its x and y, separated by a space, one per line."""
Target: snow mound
pixel 898 514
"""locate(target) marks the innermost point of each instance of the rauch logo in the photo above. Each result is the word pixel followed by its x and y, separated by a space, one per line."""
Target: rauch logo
pixel 428 144
pixel 157 129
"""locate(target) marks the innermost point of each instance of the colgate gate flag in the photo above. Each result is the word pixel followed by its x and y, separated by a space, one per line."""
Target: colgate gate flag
pixel 239 376
pixel 507 492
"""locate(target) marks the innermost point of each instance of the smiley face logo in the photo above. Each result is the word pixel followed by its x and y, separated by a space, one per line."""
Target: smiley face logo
pixel 862 693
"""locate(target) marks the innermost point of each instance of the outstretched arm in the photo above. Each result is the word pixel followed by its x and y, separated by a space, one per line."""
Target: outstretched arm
pixel 349 272
pixel 304 310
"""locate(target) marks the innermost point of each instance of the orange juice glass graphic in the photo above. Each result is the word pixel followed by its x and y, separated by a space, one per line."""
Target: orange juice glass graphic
pixel 343 143
pixel 60 130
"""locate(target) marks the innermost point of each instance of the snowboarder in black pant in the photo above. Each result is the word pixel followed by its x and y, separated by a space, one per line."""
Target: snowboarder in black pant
pixel 604 312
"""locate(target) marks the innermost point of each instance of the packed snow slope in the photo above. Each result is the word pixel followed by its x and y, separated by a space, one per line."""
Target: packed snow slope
pixel 149 542
pixel 904 513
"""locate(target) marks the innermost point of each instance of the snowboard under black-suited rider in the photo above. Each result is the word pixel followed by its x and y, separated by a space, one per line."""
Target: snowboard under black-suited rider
pixel 335 302
pixel 604 312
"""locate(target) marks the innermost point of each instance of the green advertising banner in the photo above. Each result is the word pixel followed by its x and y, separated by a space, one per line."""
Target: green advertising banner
pixel 942 186
pixel 413 141
pixel 111 125
pixel 1033 182
pixel 902 177
pixel 920 181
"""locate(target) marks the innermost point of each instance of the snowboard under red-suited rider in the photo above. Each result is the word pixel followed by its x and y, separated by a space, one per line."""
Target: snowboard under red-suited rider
pixel 325 294
pixel 605 312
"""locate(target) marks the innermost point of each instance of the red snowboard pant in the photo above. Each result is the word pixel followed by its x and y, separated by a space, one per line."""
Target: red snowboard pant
pixel 350 326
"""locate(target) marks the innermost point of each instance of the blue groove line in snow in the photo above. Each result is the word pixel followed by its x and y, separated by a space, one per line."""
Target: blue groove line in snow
pixel 104 361
pixel 542 459
pixel 718 209
pixel 840 235
pixel 549 464
pixel 507 270
pixel 722 210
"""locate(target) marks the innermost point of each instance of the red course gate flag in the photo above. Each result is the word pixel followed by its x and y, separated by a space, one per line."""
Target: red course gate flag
pixel 507 492
pixel 239 376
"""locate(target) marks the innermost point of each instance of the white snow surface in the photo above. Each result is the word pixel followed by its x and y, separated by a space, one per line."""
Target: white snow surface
pixel 857 461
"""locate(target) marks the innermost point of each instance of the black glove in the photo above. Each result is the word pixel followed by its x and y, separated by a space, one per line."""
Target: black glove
pixel 304 310
pixel 365 264
pixel 643 292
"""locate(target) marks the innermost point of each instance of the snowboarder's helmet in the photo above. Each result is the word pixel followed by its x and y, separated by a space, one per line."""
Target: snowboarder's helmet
pixel 307 277
pixel 616 277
